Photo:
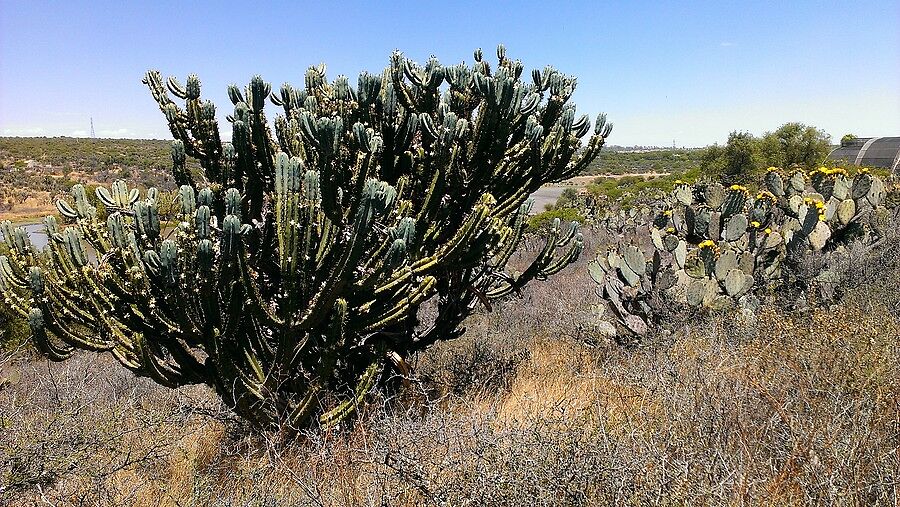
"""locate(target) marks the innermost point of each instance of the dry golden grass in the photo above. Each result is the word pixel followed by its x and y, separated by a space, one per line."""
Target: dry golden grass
pixel 563 378
pixel 32 210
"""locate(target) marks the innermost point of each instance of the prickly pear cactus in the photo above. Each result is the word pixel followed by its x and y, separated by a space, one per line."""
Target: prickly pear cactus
pixel 716 246
pixel 291 276
pixel 827 208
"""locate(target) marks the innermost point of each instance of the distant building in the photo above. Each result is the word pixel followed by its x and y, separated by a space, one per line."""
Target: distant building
pixel 870 151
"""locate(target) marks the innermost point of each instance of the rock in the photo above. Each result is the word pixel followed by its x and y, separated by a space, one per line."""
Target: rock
pixel 606 329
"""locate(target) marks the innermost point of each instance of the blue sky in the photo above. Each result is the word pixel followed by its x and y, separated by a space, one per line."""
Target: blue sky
pixel 683 72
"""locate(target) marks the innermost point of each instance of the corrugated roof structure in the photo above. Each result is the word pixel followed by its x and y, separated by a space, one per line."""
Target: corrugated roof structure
pixel 870 151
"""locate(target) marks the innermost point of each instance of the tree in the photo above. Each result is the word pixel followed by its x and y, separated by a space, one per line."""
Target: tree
pixel 799 145
pixel 712 161
pixel 293 279
pixel 736 162
pixel 744 157
pixel 741 155
pixel 566 199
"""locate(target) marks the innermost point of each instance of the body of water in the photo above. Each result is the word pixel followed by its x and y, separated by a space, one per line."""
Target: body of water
pixel 37 235
pixel 544 196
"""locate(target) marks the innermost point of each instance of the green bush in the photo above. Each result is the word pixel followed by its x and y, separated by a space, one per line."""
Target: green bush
pixel 744 158
pixel 627 188
pixel 645 161
pixel 542 221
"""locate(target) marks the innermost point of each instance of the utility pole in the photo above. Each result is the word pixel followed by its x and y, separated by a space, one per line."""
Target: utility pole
pixel 93 136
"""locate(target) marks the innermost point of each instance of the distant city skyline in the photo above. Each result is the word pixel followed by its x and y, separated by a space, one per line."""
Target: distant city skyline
pixel 687 73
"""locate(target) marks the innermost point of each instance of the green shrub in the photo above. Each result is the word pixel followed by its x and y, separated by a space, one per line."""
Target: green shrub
pixel 627 189
pixel 745 158
pixel 645 161
pixel 542 221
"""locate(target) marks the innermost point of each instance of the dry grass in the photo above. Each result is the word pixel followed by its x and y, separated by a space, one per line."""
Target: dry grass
pixel 799 408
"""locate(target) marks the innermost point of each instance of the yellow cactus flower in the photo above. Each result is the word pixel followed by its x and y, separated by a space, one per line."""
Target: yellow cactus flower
pixel 707 244
pixel 768 230
pixel 671 230
pixel 829 172
pixel 667 212
pixel 864 170
pixel 771 169
pixel 754 224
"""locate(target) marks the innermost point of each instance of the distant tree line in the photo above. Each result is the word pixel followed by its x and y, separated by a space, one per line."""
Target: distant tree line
pixel 640 162
pixel 745 157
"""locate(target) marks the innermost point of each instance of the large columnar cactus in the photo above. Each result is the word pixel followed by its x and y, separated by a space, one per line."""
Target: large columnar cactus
pixel 292 277
pixel 713 246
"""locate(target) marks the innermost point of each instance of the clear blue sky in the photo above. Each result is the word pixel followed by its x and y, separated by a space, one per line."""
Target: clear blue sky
pixel 674 71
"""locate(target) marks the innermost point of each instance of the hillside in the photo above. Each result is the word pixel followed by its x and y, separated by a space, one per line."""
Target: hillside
pixel 36 170
pixel 641 161
pixel 33 171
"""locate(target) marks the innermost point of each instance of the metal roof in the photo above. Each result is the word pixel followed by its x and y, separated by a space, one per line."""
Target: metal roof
pixel 870 151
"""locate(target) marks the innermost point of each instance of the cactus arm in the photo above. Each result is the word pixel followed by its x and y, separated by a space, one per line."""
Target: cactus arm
pixel 545 264
pixel 398 64
pixel 402 307
pixel 153 366
pixel 54 351
pixel 342 411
